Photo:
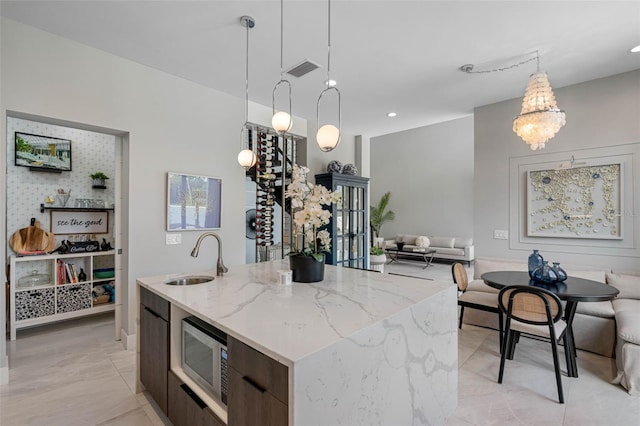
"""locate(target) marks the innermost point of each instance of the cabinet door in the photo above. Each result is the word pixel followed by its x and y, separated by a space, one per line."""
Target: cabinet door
pixel 210 419
pixel 186 409
pixel 250 404
pixel 154 355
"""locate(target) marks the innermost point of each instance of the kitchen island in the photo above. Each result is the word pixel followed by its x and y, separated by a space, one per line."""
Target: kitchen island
pixel 359 348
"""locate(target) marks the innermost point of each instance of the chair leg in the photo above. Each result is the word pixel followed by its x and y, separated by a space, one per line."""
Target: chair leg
pixel 511 349
pixel 507 339
pixel 461 315
pixel 556 365
pixel 501 329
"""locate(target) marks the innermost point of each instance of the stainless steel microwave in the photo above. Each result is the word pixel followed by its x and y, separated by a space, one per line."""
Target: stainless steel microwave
pixel 204 356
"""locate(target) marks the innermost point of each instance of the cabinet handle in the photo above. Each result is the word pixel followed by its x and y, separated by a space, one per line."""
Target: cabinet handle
pixel 151 312
pixel 193 396
pixel 250 381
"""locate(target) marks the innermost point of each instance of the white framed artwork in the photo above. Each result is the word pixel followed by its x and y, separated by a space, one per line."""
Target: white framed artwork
pixel 194 202
pixel 575 202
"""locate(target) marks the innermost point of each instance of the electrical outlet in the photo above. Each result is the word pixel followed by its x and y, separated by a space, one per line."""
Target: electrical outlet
pixel 174 239
pixel 500 234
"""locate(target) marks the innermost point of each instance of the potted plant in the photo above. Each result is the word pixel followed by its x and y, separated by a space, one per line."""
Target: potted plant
pixel 99 179
pixel 310 243
pixel 379 216
pixel 377 258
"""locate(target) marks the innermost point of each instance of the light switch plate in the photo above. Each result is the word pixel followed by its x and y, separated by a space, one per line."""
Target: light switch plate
pixel 174 239
pixel 500 234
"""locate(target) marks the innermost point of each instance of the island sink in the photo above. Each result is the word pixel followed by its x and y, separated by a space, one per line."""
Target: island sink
pixel 191 279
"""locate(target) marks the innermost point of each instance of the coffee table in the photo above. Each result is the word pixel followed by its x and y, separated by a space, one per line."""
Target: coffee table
pixel 426 253
pixel 572 290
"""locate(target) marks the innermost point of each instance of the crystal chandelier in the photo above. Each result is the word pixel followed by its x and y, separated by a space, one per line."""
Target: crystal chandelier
pixel 540 119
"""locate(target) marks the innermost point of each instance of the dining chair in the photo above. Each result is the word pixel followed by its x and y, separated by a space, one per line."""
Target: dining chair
pixel 531 311
pixel 483 301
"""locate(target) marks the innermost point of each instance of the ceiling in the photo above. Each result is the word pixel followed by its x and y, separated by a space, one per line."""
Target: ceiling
pixel 401 56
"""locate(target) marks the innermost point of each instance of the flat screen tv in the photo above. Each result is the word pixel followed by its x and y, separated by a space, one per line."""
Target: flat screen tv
pixel 43 153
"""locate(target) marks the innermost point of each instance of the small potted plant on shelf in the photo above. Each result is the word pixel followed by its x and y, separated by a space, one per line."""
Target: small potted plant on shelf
pixel 99 179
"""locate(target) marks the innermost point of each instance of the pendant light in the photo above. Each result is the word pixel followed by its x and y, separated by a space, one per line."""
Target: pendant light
pixel 247 158
pixel 328 135
pixel 539 119
pixel 281 120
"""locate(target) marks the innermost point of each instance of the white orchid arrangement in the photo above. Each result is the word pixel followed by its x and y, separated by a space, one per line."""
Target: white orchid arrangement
pixel 307 201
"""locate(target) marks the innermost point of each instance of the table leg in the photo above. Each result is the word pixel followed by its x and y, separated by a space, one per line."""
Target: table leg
pixel 392 258
pixel 569 342
pixel 429 260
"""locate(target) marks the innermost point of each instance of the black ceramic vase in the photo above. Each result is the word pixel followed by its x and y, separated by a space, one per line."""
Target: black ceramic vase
pixel 306 269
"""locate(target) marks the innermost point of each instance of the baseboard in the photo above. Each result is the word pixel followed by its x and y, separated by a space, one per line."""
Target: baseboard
pixel 128 340
pixel 4 372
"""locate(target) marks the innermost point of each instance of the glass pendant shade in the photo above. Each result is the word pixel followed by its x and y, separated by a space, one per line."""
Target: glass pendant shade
pixel 281 122
pixel 247 158
pixel 540 119
pixel 328 137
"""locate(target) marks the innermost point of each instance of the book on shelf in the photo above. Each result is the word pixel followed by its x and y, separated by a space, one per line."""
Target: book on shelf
pixel 66 273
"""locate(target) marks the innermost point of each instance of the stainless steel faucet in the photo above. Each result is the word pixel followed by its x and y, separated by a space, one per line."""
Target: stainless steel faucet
pixel 220 268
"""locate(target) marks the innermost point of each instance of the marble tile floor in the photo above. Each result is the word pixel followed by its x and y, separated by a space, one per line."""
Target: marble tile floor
pixel 74 373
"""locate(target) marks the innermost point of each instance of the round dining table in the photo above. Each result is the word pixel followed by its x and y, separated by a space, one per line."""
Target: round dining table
pixel 573 290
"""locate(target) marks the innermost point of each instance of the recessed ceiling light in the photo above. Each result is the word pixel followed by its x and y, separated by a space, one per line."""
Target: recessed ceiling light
pixel 329 82
pixel 636 49
pixel 391 114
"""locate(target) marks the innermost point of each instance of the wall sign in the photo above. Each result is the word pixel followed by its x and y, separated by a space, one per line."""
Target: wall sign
pixel 79 222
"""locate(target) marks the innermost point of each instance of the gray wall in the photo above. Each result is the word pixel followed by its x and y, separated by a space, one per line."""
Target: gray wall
pixel 429 171
pixel 602 118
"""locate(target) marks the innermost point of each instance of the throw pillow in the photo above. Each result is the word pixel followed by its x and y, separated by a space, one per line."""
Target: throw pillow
pixel 628 285
pixel 444 242
pixel 422 241
pixel 409 239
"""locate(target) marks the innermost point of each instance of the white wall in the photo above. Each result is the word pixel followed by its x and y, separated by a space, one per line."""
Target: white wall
pixel 169 124
pixel 602 117
pixel 429 171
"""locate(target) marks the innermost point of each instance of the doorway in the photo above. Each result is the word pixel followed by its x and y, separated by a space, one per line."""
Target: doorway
pixel 36 194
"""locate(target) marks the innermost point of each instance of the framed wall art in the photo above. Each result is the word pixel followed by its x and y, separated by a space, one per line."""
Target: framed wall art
pixel 193 202
pixel 42 153
pixel 575 202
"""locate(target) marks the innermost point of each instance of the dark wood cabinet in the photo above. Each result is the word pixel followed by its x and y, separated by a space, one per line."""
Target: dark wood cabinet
pixel 349 225
pixel 258 387
pixel 186 408
pixel 154 346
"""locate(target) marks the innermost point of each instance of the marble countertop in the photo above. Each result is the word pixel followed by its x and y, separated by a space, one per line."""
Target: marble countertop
pixel 290 322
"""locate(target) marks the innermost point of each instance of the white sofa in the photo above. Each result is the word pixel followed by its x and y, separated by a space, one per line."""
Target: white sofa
pixel 606 328
pixel 453 248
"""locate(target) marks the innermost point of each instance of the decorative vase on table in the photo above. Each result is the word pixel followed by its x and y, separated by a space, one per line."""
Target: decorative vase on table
pixel 545 274
pixel 535 261
pixel 561 273
pixel 306 269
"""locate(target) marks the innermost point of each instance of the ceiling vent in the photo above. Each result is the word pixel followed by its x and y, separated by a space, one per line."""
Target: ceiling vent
pixel 304 67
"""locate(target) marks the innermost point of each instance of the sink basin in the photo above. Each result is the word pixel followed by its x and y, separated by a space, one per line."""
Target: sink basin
pixel 191 279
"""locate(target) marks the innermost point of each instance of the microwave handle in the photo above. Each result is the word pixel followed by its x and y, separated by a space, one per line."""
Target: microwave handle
pixel 193 396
